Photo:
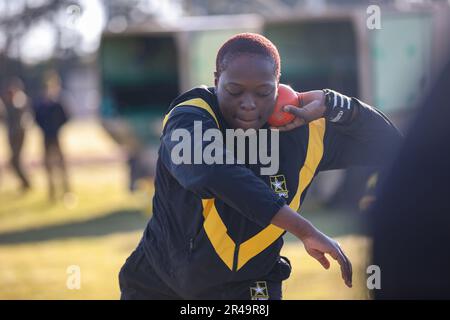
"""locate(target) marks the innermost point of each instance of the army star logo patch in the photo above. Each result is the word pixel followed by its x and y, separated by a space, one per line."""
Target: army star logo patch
pixel 278 184
pixel 259 292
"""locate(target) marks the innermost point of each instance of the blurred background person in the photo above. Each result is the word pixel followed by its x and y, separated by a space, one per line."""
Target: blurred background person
pixel 50 115
pixel 17 115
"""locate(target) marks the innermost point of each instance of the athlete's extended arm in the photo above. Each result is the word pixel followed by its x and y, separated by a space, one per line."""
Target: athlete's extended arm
pixel 316 243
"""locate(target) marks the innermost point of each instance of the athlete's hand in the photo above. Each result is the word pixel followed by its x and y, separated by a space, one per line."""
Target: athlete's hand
pixel 317 245
pixel 312 107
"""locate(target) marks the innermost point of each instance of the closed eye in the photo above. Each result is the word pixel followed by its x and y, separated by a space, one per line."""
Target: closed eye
pixel 234 94
pixel 264 93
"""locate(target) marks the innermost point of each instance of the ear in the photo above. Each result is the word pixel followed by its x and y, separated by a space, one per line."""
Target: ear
pixel 216 78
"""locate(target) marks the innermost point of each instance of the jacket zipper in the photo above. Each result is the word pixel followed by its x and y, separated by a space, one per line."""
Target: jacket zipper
pixel 235 257
pixel 191 247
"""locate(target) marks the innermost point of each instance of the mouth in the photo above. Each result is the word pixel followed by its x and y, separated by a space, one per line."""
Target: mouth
pixel 247 123
pixel 247 120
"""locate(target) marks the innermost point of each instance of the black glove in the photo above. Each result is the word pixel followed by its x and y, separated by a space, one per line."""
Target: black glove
pixel 339 107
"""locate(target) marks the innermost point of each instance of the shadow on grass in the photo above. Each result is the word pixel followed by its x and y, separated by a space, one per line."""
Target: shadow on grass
pixel 332 223
pixel 114 222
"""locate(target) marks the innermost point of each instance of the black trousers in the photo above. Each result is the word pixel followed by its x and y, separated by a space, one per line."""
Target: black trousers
pixel 139 281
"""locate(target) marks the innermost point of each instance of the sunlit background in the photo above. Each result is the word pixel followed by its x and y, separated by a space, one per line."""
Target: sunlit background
pixel 119 65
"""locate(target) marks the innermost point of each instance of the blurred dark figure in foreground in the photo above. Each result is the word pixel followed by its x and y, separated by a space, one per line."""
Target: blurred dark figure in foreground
pixel 411 217
pixel 2 119
pixel 50 115
pixel 17 115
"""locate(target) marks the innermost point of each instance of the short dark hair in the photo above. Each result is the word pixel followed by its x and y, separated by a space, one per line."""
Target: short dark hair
pixel 251 43
pixel 15 82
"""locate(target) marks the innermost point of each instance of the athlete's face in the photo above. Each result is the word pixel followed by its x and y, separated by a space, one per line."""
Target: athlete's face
pixel 246 91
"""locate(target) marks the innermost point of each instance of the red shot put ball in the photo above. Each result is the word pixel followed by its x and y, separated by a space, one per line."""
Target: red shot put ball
pixel 286 96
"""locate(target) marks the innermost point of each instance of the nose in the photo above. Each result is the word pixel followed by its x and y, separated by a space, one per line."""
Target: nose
pixel 248 103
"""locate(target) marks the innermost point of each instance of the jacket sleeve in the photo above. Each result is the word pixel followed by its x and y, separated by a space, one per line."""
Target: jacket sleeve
pixel 370 139
pixel 234 184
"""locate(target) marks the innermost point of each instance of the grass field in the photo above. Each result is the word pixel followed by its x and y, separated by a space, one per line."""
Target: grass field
pixel 99 224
